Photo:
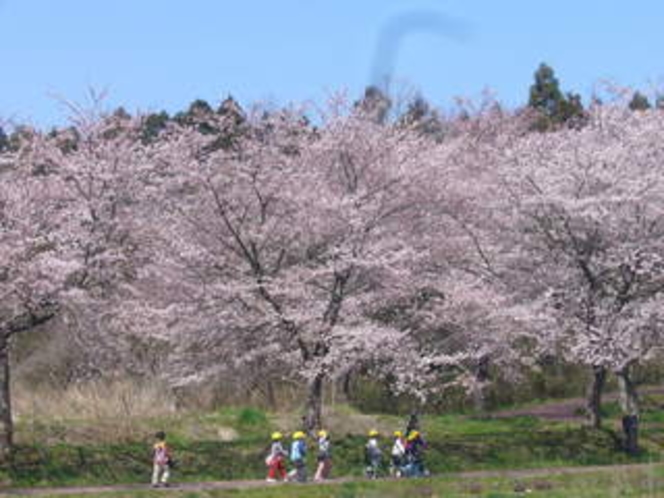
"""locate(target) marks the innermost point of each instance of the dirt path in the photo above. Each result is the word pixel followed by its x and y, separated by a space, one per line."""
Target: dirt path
pixel 567 409
pixel 240 485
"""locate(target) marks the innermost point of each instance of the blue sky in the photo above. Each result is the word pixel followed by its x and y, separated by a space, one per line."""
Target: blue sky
pixel 162 54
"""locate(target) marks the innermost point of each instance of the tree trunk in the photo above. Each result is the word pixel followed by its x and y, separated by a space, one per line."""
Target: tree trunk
pixel 270 396
pixel 629 402
pixel 479 398
pixel 35 314
pixel 594 399
pixel 479 386
pixel 346 383
pixel 314 406
pixel 6 424
pixel 413 423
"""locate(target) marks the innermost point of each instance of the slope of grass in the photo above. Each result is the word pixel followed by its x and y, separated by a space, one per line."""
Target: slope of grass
pixel 231 444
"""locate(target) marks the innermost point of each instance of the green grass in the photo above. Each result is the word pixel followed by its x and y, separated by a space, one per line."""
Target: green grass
pixel 646 481
pixel 454 425
pixel 230 444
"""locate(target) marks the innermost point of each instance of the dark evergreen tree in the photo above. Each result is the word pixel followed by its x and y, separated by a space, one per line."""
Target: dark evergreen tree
pixel 375 104
pixel 416 111
pixel 420 116
pixel 200 114
pixel 232 110
pixel 232 125
pixel 639 102
pixel 4 140
pixel 659 102
pixel 121 114
pixel 153 125
pixel 67 139
pixel 199 108
pixel 552 106
pixel 545 94
pixel 571 111
pixel 20 135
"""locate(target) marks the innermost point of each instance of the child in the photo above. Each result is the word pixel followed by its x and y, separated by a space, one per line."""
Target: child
pixel 275 460
pixel 162 461
pixel 324 457
pixel 298 454
pixel 398 454
pixel 372 455
pixel 415 447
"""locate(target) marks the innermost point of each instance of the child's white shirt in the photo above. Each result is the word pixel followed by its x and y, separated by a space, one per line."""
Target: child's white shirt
pixel 398 449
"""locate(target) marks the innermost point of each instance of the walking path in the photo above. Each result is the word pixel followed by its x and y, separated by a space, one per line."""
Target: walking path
pixel 239 485
pixel 566 409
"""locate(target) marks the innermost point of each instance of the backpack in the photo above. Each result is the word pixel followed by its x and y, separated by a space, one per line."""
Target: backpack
pixel 162 455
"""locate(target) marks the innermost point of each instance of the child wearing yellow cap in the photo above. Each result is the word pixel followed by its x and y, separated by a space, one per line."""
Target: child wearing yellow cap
pixel 275 460
pixel 372 455
pixel 162 461
pixel 298 455
pixel 324 456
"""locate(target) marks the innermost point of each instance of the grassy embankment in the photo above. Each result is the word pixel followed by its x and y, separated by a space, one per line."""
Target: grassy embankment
pixel 231 444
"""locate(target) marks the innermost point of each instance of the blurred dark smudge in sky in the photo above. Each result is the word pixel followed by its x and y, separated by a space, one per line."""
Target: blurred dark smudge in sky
pixel 398 28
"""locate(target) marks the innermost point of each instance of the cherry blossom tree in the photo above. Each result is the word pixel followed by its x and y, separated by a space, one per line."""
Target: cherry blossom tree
pixel 283 242
pixel 457 321
pixel 587 261
pixel 560 235
pixel 31 270
pixel 68 212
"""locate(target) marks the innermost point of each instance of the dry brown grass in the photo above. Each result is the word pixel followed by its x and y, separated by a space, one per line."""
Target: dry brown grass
pixel 130 410
pixel 95 400
pixel 99 410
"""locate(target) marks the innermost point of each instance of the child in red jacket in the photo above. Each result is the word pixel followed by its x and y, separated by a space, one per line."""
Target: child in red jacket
pixel 276 460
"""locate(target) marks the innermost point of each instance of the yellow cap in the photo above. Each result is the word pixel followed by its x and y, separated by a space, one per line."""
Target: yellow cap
pixel 373 433
pixel 276 436
pixel 413 435
pixel 398 434
pixel 322 433
pixel 298 435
